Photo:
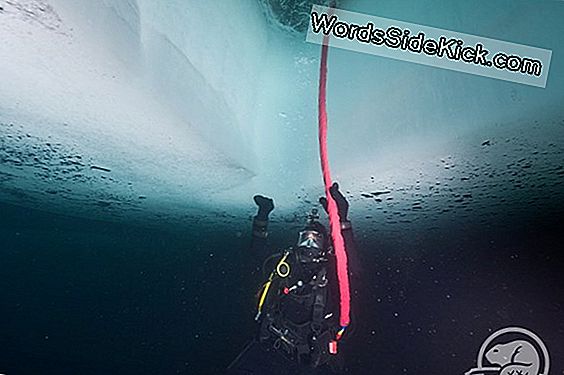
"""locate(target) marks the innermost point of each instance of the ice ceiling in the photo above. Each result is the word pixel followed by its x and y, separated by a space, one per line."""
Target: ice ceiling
pixel 179 111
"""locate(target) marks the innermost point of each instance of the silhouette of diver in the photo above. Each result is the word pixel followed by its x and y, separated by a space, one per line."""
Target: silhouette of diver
pixel 298 307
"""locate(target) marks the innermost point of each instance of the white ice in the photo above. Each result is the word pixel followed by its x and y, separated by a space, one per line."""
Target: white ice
pixel 195 106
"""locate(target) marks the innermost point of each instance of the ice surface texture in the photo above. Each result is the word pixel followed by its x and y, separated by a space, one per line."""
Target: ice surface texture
pixel 179 111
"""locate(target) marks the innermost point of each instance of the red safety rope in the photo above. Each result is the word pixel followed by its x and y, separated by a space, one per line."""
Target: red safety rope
pixel 334 220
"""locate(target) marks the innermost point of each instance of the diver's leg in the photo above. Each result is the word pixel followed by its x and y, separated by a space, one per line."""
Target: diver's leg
pixel 255 360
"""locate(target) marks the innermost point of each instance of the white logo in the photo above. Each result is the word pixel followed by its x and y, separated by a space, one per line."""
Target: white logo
pixel 512 351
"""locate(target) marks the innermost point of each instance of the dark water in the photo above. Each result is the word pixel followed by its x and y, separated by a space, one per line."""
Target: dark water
pixel 88 297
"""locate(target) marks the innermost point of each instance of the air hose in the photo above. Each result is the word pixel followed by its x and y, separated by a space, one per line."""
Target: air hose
pixel 332 210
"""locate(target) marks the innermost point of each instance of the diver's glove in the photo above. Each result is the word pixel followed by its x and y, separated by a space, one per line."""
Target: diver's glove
pixel 260 221
pixel 265 206
pixel 342 204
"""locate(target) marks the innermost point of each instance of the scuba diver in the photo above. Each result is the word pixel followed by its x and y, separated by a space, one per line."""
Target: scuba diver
pixel 298 305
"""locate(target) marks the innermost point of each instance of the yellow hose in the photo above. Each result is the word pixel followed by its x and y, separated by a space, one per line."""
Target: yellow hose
pixel 266 286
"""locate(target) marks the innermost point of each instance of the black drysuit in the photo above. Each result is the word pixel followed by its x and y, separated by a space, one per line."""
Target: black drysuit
pixel 297 310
